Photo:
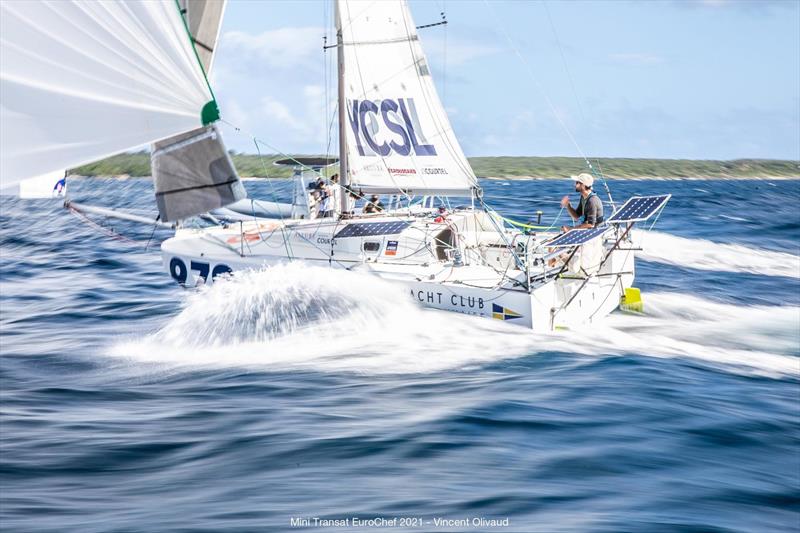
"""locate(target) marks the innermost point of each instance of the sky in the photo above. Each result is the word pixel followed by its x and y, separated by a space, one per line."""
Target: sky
pixel 695 79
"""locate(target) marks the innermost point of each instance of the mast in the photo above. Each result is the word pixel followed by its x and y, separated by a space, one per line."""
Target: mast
pixel 344 178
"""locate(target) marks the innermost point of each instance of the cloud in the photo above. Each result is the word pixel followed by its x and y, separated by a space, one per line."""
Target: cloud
pixel 270 84
pixel 281 48
pixel 637 59
pixel 752 6
pixel 278 112
pixel 235 114
pixel 298 122
pixel 457 50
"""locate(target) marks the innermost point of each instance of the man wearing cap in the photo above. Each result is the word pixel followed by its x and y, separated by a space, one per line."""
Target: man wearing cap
pixel 590 207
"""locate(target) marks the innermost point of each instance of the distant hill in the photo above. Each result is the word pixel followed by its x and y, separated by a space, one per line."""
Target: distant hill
pixel 249 165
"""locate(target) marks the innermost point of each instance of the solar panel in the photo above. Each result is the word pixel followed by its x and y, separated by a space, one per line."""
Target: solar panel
pixel 639 208
pixel 576 237
pixel 368 229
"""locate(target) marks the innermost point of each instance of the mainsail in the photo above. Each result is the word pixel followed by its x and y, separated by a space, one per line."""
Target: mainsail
pixel 397 132
pixel 84 80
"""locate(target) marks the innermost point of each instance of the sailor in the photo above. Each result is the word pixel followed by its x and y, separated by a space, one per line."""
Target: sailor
pixel 590 207
pixel 329 196
pixel 374 205
pixel 316 188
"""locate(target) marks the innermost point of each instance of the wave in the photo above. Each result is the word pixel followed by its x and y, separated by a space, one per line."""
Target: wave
pixel 708 255
pixel 762 339
pixel 301 316
pixel 295 317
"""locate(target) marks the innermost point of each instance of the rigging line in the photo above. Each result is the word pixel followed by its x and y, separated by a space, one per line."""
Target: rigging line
pixel 440 133
pixel 108 232
pixel 286 228
pixel 256 142
pixel 155 225
pixel 503 197
pixel 547 97
pixel 194 48
pixel 325 96
pixel 459 161
pixel 350 19
pixel 628 253
pixel 499 229
pixel 440 23
pixel 564 61
pixel 293 231
pixel 652 225
pixel 327 8
pixel 619 279
pixel 275 198
pixel 213 239
pixel 536 82
pixel 379 41
pixel 445 130
pixel 530 226
pixel 605 184
pixel 599 268
pixel 608 294
pixel 363 85
pixel 266 144
pixel 330 131
pixel 444 60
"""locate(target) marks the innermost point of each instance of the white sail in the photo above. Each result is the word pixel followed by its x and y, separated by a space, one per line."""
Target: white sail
pixel 192 171
pixel 398 134
pixel 204 18
pixel 83 80
pixel 50 185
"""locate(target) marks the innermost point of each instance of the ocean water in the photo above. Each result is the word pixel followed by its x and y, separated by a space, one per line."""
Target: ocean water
pixel 130 404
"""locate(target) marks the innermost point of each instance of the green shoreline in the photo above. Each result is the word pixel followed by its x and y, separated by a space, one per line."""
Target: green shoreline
pixel 505 167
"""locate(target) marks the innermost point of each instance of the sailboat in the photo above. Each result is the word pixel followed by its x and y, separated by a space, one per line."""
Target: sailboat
pixel 437 237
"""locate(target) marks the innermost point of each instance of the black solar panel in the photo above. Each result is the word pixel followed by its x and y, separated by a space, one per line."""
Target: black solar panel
pixel 639 208
pixel 368 229
pixel 576 237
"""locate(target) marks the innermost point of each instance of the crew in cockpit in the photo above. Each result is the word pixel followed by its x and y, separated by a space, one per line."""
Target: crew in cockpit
pixel 329 197
pixel 374 205
pixel 590 207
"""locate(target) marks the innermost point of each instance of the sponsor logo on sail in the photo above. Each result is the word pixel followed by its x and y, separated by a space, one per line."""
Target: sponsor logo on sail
pixel 433 170
pixel 389 126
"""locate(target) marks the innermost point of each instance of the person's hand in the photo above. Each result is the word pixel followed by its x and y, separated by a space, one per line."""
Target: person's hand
pixel 565 201
pixel 564 229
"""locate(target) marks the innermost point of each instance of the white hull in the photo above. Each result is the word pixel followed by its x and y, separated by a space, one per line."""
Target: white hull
pixel 484 281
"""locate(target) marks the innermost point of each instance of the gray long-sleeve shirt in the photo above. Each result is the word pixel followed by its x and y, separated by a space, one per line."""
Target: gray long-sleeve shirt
pixel 591 209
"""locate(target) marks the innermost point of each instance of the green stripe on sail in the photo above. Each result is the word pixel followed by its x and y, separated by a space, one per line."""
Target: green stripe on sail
pixel 210 111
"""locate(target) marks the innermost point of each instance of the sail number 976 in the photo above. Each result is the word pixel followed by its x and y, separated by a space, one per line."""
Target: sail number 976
pixel 179 272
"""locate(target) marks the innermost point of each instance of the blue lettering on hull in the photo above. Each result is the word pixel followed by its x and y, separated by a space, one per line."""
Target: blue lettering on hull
pixel 179 272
